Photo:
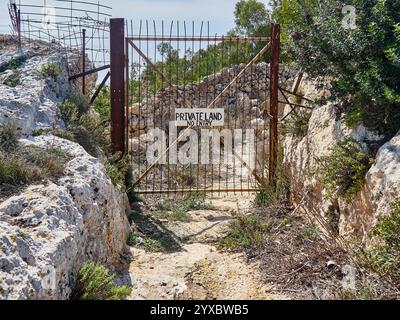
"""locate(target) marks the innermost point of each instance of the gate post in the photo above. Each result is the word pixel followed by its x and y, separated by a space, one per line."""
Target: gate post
pixel 117 84
pixel 274 98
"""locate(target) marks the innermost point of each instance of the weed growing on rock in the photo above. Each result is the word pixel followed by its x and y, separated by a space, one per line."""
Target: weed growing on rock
pixel 95 282
pixel 246 232
pixel 344 170
pixel 50 70
pixel 13 64
pixel 13 80
pixel 384 256
pixel 296 124
pixel 67 112
pixel 9 136
pixel 15 171
pixel 102 104
pixel 29 164
pixel 173 210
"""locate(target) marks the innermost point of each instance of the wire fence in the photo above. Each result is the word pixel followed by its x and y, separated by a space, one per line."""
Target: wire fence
pixel 70 25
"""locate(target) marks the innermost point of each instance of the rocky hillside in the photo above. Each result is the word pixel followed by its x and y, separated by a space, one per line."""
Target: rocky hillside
pixel 53 220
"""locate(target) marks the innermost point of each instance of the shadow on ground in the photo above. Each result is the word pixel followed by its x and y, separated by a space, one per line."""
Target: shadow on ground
pixel 151 233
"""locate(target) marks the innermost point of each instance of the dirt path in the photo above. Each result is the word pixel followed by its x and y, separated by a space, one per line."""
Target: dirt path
pixel 198 270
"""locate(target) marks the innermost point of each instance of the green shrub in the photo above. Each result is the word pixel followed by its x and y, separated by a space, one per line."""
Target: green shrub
pixel 384 257
pixel 102 104
pixel 30 164
pixel 13 80
pixel 343 171
pixel 177 210
pixel 51 161
pixel 363 68
pixel 68 112
pixel 15 171
pixel 271 195
pixel 99 132
pixel 81 102
pixel 13 64
pixel 9 136
pixel 247 231
pixel 50 70
pixel 116 175
pixel 308 232
pixel 94 282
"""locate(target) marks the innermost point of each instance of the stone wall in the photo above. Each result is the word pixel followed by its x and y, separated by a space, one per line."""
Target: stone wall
pixel 243 103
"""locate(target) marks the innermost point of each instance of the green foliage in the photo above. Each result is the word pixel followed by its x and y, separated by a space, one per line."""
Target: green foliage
pixel 13 64
pixel 9 136
pixel 93 135
pixel 50 70
pixel 363 64
pixel 252 18
pixel 13 80
pixel 177 210
pixel 269 196
pixel 384 257
pixel 296 124
pixel 343 171
pixel 247 231
pixel 308 232
pixel 81 102
pixel 148 243
pixel 15 171
pixel 150 235
pixel 72 111
pixel 29 164
pixel 95 282
pixel 68 112
pixel 98 131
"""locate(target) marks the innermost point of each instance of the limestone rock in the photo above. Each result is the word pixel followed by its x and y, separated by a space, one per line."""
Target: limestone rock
pixel 301 156
pixel 381 189
pixel 48 230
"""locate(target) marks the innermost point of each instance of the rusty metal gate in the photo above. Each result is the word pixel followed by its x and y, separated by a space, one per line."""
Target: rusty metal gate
pixel 195 112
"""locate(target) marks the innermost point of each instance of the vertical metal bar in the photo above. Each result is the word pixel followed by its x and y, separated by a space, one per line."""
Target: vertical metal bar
pixel 83 60
pixel 117 63
pixel 19 29
pixel 273 127
pixel 127 104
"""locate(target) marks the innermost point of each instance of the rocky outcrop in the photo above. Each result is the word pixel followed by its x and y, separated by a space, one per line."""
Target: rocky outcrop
pixel 381 187
pixel 50 229
pixel 33 103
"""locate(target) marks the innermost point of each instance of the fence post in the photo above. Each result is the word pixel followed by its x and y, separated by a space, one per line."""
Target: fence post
pixel 83 60
pixel 274 98
pixel 117 84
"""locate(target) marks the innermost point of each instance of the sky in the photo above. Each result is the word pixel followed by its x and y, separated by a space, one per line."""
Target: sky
pixel 218 12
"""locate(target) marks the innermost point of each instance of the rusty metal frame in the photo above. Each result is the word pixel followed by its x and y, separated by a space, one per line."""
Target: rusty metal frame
pixel 274 102
pixel 117 84
pixel 275 90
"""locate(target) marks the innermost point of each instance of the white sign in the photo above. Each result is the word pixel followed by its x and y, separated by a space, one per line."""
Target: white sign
pixel 199 117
